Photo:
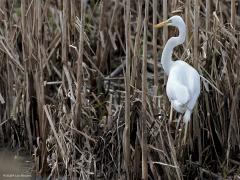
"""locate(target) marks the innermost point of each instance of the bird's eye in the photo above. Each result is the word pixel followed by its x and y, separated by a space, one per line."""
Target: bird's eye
pixel 169 22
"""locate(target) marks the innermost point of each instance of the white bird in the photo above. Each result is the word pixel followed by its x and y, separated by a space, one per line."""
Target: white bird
pixel 183 85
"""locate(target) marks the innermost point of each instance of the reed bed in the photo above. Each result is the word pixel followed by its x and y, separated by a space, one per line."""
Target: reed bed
pixel 81 89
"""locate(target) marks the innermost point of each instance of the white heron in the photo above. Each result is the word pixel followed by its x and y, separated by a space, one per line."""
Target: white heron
pixel 183 84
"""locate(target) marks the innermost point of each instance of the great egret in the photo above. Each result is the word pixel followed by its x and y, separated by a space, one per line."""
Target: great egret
pixel 183 85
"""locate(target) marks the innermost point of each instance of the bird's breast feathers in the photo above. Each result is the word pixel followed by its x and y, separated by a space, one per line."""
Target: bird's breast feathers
pixel 181 108
pixel 183 85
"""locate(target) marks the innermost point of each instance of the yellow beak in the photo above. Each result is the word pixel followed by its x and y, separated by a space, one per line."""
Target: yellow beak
pixel 164 23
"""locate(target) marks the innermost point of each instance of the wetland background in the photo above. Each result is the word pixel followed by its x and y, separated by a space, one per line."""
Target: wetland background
pixel 83 93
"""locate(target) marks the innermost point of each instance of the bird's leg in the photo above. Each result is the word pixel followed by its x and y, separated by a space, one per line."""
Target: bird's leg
pixel 178 122
pixel 186 119
pixel 171 113
pixel 185 133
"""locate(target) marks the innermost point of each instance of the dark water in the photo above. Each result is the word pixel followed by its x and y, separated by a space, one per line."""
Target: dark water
pixel 14 165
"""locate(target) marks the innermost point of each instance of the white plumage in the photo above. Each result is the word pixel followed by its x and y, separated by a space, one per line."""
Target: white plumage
pixel 183 85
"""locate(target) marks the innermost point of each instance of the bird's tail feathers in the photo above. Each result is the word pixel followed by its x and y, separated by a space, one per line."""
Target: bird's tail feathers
pixel 187 116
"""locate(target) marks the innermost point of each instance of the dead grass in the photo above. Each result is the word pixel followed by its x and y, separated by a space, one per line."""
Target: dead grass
pixel 66 96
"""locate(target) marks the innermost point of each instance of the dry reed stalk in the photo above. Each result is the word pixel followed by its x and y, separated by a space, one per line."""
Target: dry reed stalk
pixel 39 82
pixel 9 86
pixel 78 121
pixel 195 33
pixel 208 16
pixel 207 23
pixel 238 10
pixel 3 8
pixel 144 97
pixel 136 82
pixel 155 59
pixel 233 13
pixel 65 40
pixel 232 125
pixel 173 154
pixel 217 144
pixel 165 38
pixel 27 101
pixel 165 17
pixel 126 132
pixel 195 121
pixel 163 157
pixel 64 43
pixel 187 20
pixel 103 45
pixel 64 32
pixel 80 70
pixel 73 15
pixel 2 99
pixel 112 23
pixel 50 120
pixel 137 44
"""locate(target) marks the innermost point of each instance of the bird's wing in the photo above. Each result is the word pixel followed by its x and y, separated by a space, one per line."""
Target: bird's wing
pixel 177 91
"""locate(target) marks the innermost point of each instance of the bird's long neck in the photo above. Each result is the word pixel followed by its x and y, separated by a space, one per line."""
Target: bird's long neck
pixel 166 59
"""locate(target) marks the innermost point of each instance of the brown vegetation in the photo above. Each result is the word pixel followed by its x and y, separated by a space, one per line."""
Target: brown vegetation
pixel 81 89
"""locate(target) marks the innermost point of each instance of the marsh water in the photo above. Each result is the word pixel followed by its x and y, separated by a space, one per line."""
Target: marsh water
pixel 14 164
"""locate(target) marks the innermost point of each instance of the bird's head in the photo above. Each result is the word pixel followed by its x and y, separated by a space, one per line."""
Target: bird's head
pixel 173 21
